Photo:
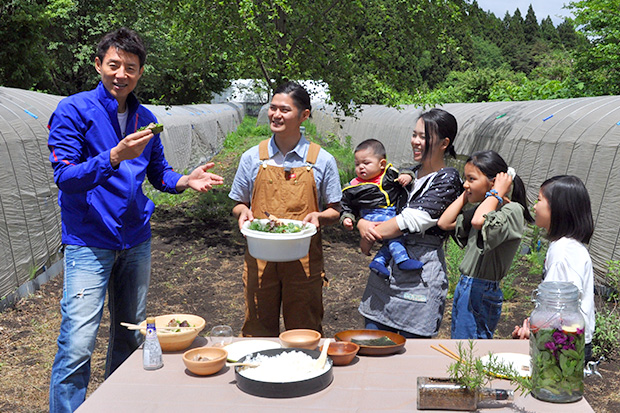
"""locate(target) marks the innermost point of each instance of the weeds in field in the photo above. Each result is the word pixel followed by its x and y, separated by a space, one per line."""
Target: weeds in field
pixel 212 205
pixel 507 283
pixel 607 331
pixel 345 158
pixel 247 135
pixel 536 262
pixel 454 256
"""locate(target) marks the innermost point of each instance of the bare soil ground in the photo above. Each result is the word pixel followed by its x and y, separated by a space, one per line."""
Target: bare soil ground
pixel 197 264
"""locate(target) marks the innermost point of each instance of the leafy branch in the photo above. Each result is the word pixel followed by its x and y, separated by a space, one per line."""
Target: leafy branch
pixel 472 373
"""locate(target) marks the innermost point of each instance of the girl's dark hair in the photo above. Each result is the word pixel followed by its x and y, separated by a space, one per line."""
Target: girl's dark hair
pixel 124 39
pixel 374 145
pixel 490 164
pixel 439 124
pixel 300 96
pixel 571 211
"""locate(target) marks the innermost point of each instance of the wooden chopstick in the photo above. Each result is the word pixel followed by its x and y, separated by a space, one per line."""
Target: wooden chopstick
pixel 446 353
pixel 456 356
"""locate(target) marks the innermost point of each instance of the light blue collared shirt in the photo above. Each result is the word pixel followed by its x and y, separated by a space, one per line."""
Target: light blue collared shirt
pixel 325 170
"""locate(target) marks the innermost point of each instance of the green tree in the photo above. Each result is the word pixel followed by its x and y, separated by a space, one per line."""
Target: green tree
pixel 486 54
pixel 598 66
pixel 192 50
pixel 548 32
pixel 531 30
pixel 515 46
pixel 22 34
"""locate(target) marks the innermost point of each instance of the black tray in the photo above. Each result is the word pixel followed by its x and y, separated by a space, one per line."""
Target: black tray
pixel 284 389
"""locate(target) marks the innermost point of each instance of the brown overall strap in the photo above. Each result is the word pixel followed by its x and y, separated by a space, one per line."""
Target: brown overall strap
pixel 313 153
pixel 311 156
pixel 263 150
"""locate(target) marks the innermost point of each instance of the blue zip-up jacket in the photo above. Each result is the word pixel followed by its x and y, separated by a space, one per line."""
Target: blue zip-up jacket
pixel 101 206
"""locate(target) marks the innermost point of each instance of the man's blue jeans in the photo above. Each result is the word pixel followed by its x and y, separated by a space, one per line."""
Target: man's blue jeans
pixel 476 308
pixel 89 273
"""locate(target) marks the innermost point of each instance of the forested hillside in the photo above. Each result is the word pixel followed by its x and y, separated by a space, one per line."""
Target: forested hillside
pixel 367 51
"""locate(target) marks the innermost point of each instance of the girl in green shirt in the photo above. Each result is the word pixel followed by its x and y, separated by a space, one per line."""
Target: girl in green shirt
pixel 491 233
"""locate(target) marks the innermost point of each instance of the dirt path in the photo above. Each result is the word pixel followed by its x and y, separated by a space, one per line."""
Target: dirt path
pixel 197 269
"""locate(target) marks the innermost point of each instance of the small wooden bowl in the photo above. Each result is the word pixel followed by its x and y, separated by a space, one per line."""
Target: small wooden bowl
pixel 342 352
pixel 300 338
pixel 217 359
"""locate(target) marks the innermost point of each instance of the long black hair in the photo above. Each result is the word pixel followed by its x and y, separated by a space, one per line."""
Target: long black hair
pixel 490 164
pixel 439 124
pixel 571 210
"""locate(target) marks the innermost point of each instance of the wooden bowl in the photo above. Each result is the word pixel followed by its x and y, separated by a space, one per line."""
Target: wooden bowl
pixel 180 340
pixel 342 352
pixel 369 350
pixel 216 360
pixel 300 338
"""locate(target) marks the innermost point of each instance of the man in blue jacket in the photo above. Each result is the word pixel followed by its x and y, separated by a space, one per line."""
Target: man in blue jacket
pixel 100 160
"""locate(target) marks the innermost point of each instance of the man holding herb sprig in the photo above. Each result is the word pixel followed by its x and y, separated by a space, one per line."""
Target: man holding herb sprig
pixel 100 160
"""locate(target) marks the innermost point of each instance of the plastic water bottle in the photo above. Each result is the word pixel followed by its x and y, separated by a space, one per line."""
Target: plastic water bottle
pixel 151 352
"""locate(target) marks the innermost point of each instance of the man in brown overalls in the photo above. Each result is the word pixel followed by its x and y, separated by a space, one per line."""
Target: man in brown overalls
pixel 289 177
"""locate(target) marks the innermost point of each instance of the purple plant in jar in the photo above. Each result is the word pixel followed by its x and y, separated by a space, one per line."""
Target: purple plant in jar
pixel 557 344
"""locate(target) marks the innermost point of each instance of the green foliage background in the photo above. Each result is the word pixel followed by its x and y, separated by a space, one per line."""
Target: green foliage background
pixel 368 51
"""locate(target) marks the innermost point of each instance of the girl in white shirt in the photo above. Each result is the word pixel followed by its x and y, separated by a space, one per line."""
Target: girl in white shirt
pixel 564 210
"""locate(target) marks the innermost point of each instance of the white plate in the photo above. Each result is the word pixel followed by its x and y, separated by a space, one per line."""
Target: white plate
pixel 239 349
pixel 520 362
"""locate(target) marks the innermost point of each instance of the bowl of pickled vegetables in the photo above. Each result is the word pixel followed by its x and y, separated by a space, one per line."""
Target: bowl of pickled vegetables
pixel 176 331
pixel 278 240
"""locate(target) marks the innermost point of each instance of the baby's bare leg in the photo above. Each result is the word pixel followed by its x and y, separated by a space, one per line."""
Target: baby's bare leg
pixel 365 246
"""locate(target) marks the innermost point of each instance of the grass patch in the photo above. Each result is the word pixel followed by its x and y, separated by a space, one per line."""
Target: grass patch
pixel 507 283
pixel 345 158
pixel 607 331
pixel 248 134
pixel 212 205
pixel 454 256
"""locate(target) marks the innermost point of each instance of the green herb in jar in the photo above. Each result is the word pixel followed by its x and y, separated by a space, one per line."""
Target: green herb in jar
pixel 557 362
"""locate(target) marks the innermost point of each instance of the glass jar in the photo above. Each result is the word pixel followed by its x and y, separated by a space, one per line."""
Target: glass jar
pixel 557 340
pixel 443 394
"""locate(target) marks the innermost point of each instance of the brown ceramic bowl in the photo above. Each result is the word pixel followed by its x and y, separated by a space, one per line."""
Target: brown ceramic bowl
pixel 342 352
pixel 370 350
pixel 215 359
pixel 300 338
pixel 176 340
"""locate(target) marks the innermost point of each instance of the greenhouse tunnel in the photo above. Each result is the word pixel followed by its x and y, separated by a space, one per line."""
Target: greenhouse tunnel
pixel 30 228
pixel 539 139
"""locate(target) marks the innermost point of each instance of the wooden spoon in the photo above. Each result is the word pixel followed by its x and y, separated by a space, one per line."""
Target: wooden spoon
pixel 139 327
pixel 273 218
pixel 320 362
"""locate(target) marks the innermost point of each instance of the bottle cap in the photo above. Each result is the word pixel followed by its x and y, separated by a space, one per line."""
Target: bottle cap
pixel 150 320
pixel 558 290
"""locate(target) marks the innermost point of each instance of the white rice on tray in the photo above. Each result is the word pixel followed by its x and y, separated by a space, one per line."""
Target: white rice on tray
pixel 285 367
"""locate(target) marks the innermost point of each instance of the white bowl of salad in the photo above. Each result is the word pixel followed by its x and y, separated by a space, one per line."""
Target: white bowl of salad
pixel 279 240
